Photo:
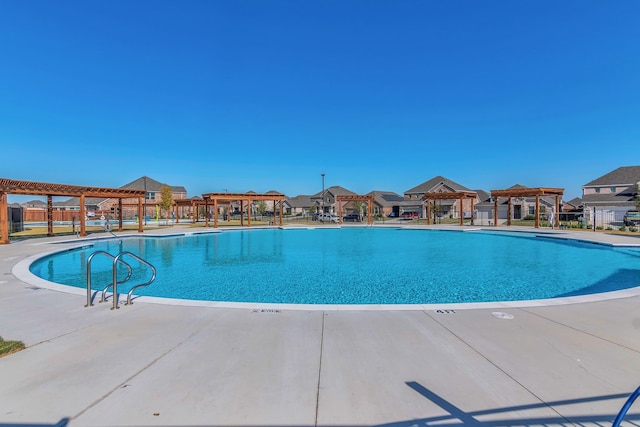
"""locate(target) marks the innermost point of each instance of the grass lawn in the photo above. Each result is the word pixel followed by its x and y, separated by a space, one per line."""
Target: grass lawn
pixel 8 347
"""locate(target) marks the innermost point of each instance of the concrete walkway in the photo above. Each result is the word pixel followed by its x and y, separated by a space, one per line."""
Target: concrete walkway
pixel 175 365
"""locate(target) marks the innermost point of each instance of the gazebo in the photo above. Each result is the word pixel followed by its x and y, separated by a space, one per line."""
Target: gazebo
pixel 527 192
pixel 12 186
pixel 354 198
pixel 453 195
pixel 226 198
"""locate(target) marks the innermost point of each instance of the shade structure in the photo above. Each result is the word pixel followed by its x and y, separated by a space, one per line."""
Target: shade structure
pixel 527 192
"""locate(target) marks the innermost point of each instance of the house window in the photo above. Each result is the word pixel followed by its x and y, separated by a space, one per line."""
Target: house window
pixel 597 190
pixel 150 196
pixel 613 189
pixel 532 210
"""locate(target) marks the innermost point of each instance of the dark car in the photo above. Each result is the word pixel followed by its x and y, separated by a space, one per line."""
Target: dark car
pixel 352 218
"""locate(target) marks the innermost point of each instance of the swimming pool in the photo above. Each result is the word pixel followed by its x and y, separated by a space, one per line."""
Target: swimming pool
pixel 357 266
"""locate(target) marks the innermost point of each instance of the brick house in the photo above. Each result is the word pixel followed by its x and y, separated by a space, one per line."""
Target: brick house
pixel 439 184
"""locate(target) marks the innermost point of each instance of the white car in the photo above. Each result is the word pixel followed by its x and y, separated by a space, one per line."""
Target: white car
pixel 328 218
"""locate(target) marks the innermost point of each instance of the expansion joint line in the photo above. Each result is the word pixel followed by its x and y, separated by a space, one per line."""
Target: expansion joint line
pixel 315 422
pixel 498 368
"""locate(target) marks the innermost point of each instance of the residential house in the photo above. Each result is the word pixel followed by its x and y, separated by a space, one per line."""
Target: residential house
pixel 386 203
pixel 299 205
pixel 606 199
pixel 439 184
pixel 328 205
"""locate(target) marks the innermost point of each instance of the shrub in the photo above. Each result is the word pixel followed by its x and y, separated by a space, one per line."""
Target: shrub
pixel 599 228
pixel 633 229
pixel 609 228
pixel 622 228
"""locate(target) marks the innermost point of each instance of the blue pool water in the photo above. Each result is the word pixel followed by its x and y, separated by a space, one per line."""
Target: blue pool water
pixel 357 266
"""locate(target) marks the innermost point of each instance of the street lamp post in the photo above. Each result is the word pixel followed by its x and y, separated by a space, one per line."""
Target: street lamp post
pixel 322 175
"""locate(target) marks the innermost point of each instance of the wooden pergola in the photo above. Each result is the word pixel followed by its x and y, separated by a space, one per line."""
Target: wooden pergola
pixel 354 198
pixel 12 186
pixel 527 192
pixel 192 203
pixel 453 195
pixel 227 198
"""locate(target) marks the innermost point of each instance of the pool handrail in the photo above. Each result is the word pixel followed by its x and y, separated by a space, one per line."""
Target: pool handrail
pixel 625 408
pixel 130 271
pixel 115 278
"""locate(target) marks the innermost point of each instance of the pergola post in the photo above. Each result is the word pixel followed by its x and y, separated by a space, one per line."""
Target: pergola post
pixel 340 212
pixel 49 216
pixel 557 215
pixel 428 212
pixel 120 228
pixel 140 226
pixel 281 208
pixel 537 211
pixel 509 211
pixel 4 219
pixel 249 204
pixel 370 214
pixel 461 212
pixel 215 213
pixel 495 211
pixel 473 212
pixel 206 213
pixel 83 215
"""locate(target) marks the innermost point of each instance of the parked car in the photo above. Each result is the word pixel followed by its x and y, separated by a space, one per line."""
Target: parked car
pixel 352 218
pixel 409 215
pixel 328 218
pixel 632 218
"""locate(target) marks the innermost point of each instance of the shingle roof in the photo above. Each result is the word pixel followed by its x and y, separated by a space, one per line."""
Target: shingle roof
pixel 623 198
pixel 623 175
pixel 336 190
pixel 302 201
pixel 150 184
pixel 386 198
pixel 428 186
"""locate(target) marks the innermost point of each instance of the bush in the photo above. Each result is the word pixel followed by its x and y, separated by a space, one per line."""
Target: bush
pixel 609 228
pixel 633 229
pixel 622 228
pixel 529 218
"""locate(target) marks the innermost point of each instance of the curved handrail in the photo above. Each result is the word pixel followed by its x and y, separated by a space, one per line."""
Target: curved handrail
pixel 625 408
pixel 89 303
pixel 115 278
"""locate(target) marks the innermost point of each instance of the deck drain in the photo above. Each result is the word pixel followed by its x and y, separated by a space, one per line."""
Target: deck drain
pixel 501 315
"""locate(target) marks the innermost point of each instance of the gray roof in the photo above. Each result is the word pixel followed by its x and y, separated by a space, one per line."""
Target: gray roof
pixel 625 175
pixel 150 184
pixel 301 201
pixel 386 198
pixel 576 201
pixel 429 186
pixel 336 190
pixel 483 196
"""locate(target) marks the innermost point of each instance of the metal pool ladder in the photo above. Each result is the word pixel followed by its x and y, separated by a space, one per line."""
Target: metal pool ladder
pixel 117 259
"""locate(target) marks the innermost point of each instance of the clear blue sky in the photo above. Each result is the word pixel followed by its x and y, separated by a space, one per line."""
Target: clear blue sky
pixel 267 95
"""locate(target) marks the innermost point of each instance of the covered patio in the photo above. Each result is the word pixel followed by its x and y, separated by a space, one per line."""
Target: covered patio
pixel 31 188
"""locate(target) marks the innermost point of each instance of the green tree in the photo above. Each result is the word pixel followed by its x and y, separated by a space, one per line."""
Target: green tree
pixel 166 201
pixel 358 207
pixel 262 207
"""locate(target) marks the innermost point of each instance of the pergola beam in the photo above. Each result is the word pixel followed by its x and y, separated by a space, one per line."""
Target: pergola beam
pixel 249 198
pixel 355 198
pixel 452 195
pixel 527 192
pixel 32 188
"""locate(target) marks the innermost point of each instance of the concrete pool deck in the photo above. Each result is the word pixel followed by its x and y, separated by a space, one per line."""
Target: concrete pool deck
pixel 179 365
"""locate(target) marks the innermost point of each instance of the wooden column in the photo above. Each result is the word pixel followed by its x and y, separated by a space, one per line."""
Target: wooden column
pixel 495 212
pixel 241 212
pixel 557 215
pixel 49 216
pixel 509 211
pixel 215 212
pixel 461 212
pixel 140 211
pixel 281 208
pixel 120 228
pixel 537 211
pixel 177 213
pixel 370 216
pixel 249 203
pixel 340 211
pixel 83 215
pixel 4 219
pixel 194 211
pixel 428 212
pixel 206 213
pixel 472 211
